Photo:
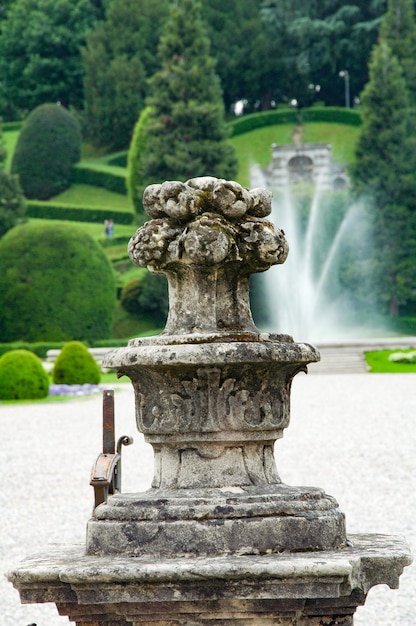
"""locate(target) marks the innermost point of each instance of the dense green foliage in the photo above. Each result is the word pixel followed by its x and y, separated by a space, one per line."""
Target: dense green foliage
pixel 336 115
pixel 100 176
pixel 22 376
pixel 119 58
pixel 39 348
pixel 147 297
pixel 398 30
pixel 76 366
pixel 12 201
pixel 49 145
pixel 56 284
pixel 59 211
pixel 249 59
pixel 185 133
pixel 135 175
pixel 384 172
pixel 40 58
pixel 317 40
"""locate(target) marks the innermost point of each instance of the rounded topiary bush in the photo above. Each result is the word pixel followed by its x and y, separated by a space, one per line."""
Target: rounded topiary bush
pixel 56 284
pixel 76 366
pixel 22 376
pixel 49 145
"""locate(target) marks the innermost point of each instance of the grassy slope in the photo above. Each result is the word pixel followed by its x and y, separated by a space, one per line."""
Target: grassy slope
pixel 254 147
pixel 87 195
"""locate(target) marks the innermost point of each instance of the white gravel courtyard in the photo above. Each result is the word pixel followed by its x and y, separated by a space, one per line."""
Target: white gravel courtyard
pixel 352 434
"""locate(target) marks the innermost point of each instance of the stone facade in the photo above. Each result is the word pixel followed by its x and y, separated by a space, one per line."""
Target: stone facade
pixel 309 162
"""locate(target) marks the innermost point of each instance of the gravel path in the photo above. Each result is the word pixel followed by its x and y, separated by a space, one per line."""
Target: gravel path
pixel 352 434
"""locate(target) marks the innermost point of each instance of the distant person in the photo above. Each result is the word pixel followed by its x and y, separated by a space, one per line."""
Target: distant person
pixel 109 228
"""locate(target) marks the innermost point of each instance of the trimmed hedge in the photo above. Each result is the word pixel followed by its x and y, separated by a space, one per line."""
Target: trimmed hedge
pixel 22 376
pixel 118 159
pixel 351 117
pixel 249 122
pixel 6 126
pixel 40 348
pixel 100 176
pixel 56 284
pixel 56 211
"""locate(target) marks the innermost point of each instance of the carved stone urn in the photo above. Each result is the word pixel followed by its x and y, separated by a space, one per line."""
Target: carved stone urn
pixel 212 392
pixel 218 537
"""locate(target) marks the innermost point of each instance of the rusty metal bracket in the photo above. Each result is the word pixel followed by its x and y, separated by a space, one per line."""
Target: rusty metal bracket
pixel 106 473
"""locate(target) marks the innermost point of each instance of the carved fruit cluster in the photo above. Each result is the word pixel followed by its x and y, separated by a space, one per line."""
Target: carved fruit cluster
pixel 207 221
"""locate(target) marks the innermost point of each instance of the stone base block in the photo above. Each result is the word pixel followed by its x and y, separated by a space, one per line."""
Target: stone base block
pixel 299 589
pixel 214 522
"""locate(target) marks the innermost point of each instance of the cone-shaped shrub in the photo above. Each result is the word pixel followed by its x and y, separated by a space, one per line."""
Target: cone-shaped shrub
pixel 76 366
pixel 22 376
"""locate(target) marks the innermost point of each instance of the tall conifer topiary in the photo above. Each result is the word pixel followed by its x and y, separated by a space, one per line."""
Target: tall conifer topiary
pixel 185 131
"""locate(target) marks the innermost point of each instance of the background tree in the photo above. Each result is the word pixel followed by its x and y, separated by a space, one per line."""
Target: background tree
pixel 320 39
pixel 48 270
pixel 120 55
pixel 384 172
pixel 186 134
pixel 250 65
pixel 12 200
pixel 40 58
pixel 49 145
pixel 398 30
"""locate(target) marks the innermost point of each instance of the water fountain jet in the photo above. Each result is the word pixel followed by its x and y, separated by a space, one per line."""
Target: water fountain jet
pixel 305 298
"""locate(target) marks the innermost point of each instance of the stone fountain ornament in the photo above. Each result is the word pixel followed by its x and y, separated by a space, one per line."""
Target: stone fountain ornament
pixel 218 538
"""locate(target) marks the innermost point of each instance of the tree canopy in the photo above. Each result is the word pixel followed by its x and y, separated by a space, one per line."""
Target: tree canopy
pixel 185 133
pixel 40 57
pixel 120 56
pixel 384 172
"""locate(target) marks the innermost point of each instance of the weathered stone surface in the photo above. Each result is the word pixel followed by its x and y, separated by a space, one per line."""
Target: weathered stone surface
pixel 250 520
pixel 289 588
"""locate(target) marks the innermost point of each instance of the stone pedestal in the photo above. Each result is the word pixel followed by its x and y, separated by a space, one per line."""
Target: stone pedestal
pixel 289 589
pixel 218 538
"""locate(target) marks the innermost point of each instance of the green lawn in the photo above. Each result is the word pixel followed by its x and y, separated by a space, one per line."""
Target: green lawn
pixel 342 138
pixel 254 147
pixel 379 363
pixel 88 195
pixel 10 140
pixel 96 230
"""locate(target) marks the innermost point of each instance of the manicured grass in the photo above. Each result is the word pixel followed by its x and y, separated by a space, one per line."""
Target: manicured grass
pixel 379 363
pixel 96 230
pixel 342 138
pixel 254 147
pixel 87 195
pixel 10 140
